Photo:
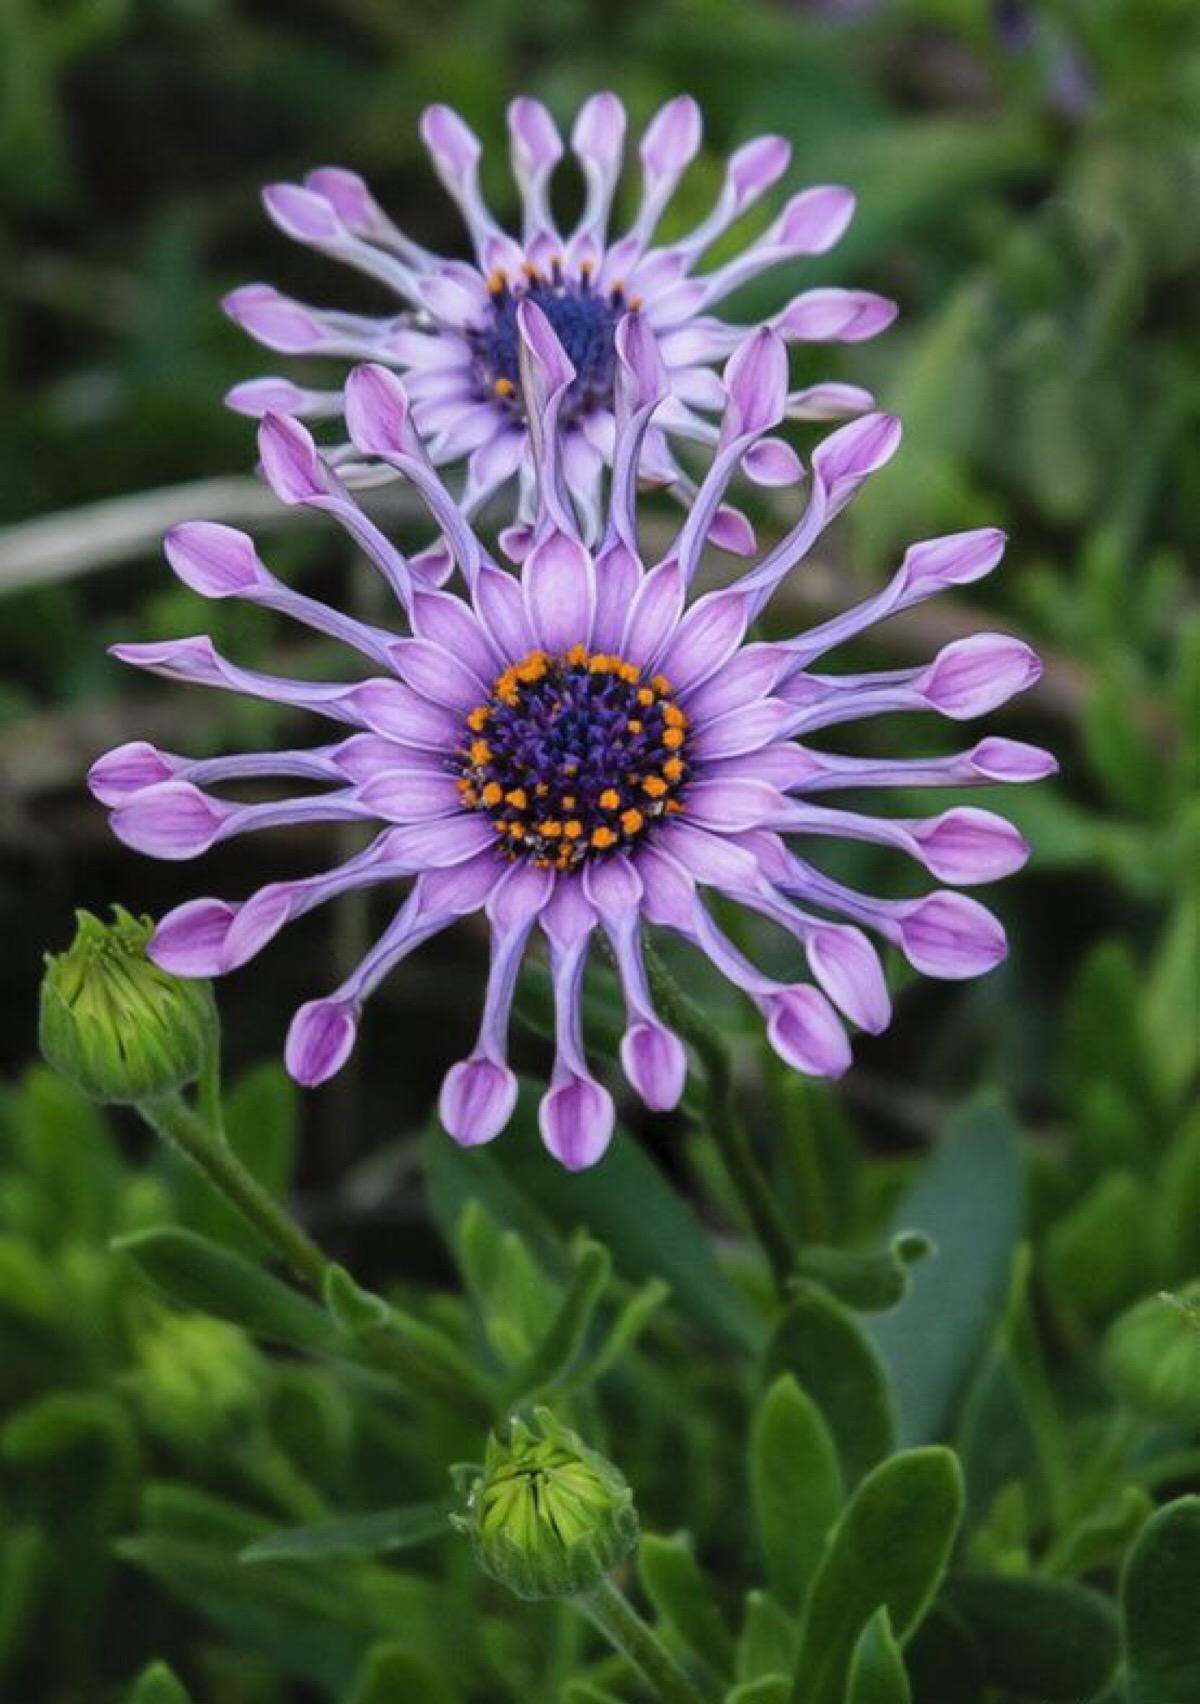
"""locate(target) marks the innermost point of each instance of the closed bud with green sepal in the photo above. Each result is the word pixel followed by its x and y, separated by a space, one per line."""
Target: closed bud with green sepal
pixel 114 1024
pixel 546 1515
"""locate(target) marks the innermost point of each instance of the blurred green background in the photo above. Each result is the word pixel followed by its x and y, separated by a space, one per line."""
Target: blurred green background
pixel 1029 191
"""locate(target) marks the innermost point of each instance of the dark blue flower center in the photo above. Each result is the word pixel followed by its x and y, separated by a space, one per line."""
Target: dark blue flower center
pixel 584 321
pixel 573 757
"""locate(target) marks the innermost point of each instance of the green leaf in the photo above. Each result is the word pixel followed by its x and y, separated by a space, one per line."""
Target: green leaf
pixel 890 1548
pixel 831 1358
pixel 356 1310
pixel 586 1692
pixel 1158 1596
pixel 516 1298
pixel 1046 1638
pixel 796 1484
pixel 202 1274
pixel 157 1685
pixel 1098 1256
pixel 968 1202
pixel 393 1672
pixel 683 1599
pixel 767 1689
pixel 1104 1537
pixel 376 1534
pixel 769 1639
pixel 877 1673
pixel 26 1564
pixel 557 1353
pixel 872 1283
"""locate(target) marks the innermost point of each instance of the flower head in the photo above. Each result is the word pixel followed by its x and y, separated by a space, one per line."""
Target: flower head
pixel 586 748
pixel 455 337
pixel 116 1024
pixel 547 1516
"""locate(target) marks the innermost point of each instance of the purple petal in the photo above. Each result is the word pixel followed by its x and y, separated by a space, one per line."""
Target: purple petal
pixel 290 461
pixel 972 676
pixel 127 770
pixel 1012 760
pixel 950 936
pixel 377 413
pixel 756 378
pixel 655 1062
pixel 851 454
pixel 275 320
pixel 732 532
pixel 320 1040
pixel 672 138
pixel 477 1100
pixel 454 147
pixel 190 941
pixel 560 592
pixel 804 1030
pixel 731 806
pixel 957 559
pixel 173 820
pixel 214 560
pixel 814 220
pixel 302 214
pixel 436 674
pixel 965 846
pixel 599 131
pixel 390 708
pixel 349 197
pixel 847 966
pixel 705 639
pixel 535 139
pixel 576 1120
pixel 757 165
pixel 772 462
pixel 835 316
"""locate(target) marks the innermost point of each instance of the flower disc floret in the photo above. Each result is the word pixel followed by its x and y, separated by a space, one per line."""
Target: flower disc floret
pixel 574 757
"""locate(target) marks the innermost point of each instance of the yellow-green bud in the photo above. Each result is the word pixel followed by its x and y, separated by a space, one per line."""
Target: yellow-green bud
pixel 116 1025
pixel 197 1380
pixel 1152 1355
pixel 547 1516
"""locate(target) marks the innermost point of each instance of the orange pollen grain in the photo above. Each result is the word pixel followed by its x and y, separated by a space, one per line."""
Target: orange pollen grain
pixel 654 786
pixel 609 799
pixel 573 829
pixel 481 751
pixel 517 799
pixel 673 768
pixel 674 717
pixel 492 794
pixel 672 738
pixel 631 821
pixel 504 387
pixel 602 838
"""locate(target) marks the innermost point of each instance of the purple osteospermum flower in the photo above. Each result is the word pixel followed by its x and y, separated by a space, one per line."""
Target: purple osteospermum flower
pixel 583 749
pixel 455 339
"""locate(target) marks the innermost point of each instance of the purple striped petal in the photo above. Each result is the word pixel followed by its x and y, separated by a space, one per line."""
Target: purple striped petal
pixel 972 676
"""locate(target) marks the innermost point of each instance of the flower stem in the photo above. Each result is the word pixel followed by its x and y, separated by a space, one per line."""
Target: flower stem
pixel 405 1348
pixel 728 1131
pixel 611 1611
pixel 179 1124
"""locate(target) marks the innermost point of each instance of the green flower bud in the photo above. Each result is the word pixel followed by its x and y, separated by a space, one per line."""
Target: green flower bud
pixel 1152 1355
pixel 196 1379
pixel 113 1023
pixel 547 1516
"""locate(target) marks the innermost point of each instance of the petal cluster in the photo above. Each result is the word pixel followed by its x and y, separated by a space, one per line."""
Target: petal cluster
pixel 454 335
pixel 482 701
